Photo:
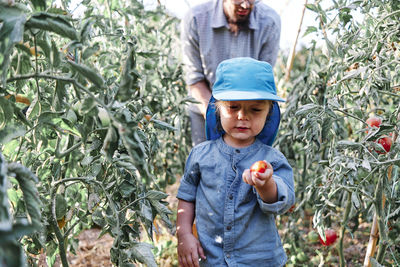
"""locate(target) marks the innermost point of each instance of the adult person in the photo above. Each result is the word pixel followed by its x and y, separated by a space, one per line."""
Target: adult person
pixel 222 29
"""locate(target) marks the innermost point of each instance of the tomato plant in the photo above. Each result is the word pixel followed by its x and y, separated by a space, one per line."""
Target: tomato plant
pixel 103 132
pixel 340 177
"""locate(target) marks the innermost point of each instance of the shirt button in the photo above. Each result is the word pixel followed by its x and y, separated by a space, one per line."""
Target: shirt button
pixel 228 227
pixel 230 197
pixel 237 151
pixel 228 255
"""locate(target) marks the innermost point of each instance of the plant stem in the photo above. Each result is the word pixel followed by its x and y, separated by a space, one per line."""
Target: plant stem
pixel 380 202
pixel 383 244
pixel 289 63
pixel 59 236
pixel 343 230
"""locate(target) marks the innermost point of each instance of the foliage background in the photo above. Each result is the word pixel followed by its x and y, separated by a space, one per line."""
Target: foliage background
pixel 101 125
pixel 92 113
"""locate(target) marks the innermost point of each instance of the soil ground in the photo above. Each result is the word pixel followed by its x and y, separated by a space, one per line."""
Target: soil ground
pixel 95 252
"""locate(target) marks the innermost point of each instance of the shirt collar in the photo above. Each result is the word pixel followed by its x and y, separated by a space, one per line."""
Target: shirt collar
pixel 219 19
pixel 222 146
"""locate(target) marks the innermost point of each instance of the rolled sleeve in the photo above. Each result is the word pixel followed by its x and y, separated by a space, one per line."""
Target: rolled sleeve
pixel 187 191
pixel 193 68
pixel 286 198
pixel 190 179
pixel 283 177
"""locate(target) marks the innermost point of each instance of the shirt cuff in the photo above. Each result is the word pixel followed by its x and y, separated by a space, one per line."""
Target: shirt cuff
pixel 187 191
pixel 284 199
pixel 194 78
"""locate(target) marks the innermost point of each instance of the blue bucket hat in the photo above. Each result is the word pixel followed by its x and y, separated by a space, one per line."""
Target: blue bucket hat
pixel 244 78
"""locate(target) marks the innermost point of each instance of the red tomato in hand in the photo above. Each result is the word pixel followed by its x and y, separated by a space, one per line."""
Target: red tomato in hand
pixel 259 166
pixel 386 142
pixel 331 237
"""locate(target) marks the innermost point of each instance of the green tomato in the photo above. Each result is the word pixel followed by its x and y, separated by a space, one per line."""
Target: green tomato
pixel 301 256
pixel 313 237
pixel 104 117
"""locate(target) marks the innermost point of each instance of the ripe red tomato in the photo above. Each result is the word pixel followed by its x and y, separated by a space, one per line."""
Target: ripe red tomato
pixel 331 237
pixel 374 121
pixel 386 142
pixel 259 166
pixel 292 208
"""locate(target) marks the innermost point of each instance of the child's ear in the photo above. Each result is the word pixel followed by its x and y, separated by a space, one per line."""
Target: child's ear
pixel 218 116
pixel 271 110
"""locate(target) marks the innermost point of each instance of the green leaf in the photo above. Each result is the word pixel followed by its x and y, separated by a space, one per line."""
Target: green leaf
pixel 163 125
pixel 343 144
pixel 52 23
pixel 18 231
pixel 45 44
pixel 110 143
pixel 355 200
pixel 163 211
pixel 126 189
pixel 13 196
pixel 98 218
pixel 143 253
pixel 87 105
pixel 8 109
pixel 10 132
pixel 310 29
pixel 312 7
pixel 155 195
pixel 145 211
pixel 306 109
pixel 48 116
pixel 353 74
pixel 88 73
pixel 11 31
pixel 89 51
pixel 86 29
pixel 39 4
pixel 61 206
pixel 56 59
pixel 129 77
pixel 14 255
pixel 27 182
pixel 365 164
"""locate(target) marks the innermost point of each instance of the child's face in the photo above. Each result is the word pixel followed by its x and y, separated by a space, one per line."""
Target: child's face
pixel 242 121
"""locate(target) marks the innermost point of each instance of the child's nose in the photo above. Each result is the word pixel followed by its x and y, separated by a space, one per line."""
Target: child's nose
pixel 242 114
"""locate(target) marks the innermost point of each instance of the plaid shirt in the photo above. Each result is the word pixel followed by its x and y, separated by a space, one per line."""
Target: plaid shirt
pixel 206 39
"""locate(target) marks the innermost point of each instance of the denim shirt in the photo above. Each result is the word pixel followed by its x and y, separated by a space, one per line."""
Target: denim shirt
pixel 235 227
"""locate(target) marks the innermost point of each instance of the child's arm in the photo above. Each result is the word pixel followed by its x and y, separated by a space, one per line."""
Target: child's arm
pixel 263 182
pixel 189 248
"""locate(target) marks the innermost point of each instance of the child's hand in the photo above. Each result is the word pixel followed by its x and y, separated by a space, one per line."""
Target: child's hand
pixel 258 179
pixel 189 250
pixel 263 182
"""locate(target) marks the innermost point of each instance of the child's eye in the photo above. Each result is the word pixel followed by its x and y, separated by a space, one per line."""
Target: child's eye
pixel 233 107
pixel 257 109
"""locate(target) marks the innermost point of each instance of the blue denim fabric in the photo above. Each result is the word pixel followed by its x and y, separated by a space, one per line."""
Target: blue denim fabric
pixel 235 227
